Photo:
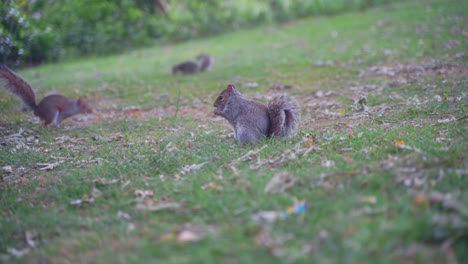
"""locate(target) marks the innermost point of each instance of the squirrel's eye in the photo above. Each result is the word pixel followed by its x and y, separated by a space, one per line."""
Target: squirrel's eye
pixel 220 97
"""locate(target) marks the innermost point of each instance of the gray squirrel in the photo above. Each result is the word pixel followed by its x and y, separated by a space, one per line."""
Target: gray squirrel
pixel 203 63
pixel 252 120
pixel 53 109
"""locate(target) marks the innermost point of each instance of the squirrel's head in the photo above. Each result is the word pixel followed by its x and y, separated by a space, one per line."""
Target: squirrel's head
pixel 83 106
pixel 231 89
pixel 223 98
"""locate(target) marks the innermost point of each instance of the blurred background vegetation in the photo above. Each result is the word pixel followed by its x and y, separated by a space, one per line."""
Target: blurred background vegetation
pixel 37 31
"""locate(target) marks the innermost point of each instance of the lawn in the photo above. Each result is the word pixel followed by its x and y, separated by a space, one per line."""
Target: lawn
pixel 377 173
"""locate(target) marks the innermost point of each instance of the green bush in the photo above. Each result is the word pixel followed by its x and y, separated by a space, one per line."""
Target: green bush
pixel 100 27
pixel 44 30
pixel 24 37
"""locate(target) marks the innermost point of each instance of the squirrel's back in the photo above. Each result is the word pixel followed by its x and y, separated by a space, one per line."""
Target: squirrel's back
pixel 202 63
pixel 18 87
pixel 187 67
pixel 56 107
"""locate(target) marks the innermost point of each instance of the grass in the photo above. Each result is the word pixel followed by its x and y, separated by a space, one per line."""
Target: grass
pixel 388 185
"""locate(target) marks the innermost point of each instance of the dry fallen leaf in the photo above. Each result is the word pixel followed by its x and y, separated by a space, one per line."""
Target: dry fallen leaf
pixel 123 215
pixel 104 181
pixel 251 85
pixel 448 201
pixel 50 166
pixel 272 243
pixel 144 193
pixel 360 104
pixel 211 185
pixel 188 236
pixel 158 207
pixel 420 200
pixel 171 148
pixel 8 169
pixel 280 183
pixel 399 143
pixel 368 199
pixel 250 155
pixel 186 233
pixel 328 163
pixel 192 168
pixel 82 201
pixel 266 217
pixel 279 159
pixel 18 140
pixel 32 238
pixel 96 193
pixel 446 120
pixel 18 252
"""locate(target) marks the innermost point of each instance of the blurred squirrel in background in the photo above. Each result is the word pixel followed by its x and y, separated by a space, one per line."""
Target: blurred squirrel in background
pixel 53 109
pixel 203 63
pixel 253 120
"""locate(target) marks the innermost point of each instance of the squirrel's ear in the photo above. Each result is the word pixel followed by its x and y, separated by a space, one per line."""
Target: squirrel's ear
pixel 230 87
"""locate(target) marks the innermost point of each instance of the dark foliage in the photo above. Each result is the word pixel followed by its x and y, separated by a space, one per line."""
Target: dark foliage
pixel 47 30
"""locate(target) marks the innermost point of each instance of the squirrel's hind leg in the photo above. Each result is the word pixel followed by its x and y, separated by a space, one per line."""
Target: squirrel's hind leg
pixel 246 136
pixel 55 121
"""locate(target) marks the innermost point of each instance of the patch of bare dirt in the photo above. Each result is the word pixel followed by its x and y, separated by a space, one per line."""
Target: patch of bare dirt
pixel 197 109
pixel 412 71
pixel 68 248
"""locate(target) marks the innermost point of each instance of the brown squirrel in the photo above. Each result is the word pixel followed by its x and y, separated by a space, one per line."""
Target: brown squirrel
pixel 253 120
pixel 203 63
pixel 53 109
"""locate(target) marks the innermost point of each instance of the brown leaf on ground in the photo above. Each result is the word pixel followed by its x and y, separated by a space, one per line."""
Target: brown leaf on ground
pixel 32 238
pixel 422 253
pixel 367 199
pixel 448 201
pixel 274 244
pixel 280 158
pixel 158 207
pixel 18 253
pixel 82 201
pixel 143 193
pixel 110 138
pixel 103 181
pixel 23 139
pixel 192 168
pixel 280 183
pixel 148 204
pixel 188 236
pixel 412 71
pixel 266 217
pixel 212 186
pixel 249 156
pixel 360 104
pixel 187 233
pixel 8 169
pixel 123 215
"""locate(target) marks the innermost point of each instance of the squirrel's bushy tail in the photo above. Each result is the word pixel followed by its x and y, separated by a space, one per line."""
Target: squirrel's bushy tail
pixel 18 87
pixel 206 61
pixel 285 115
